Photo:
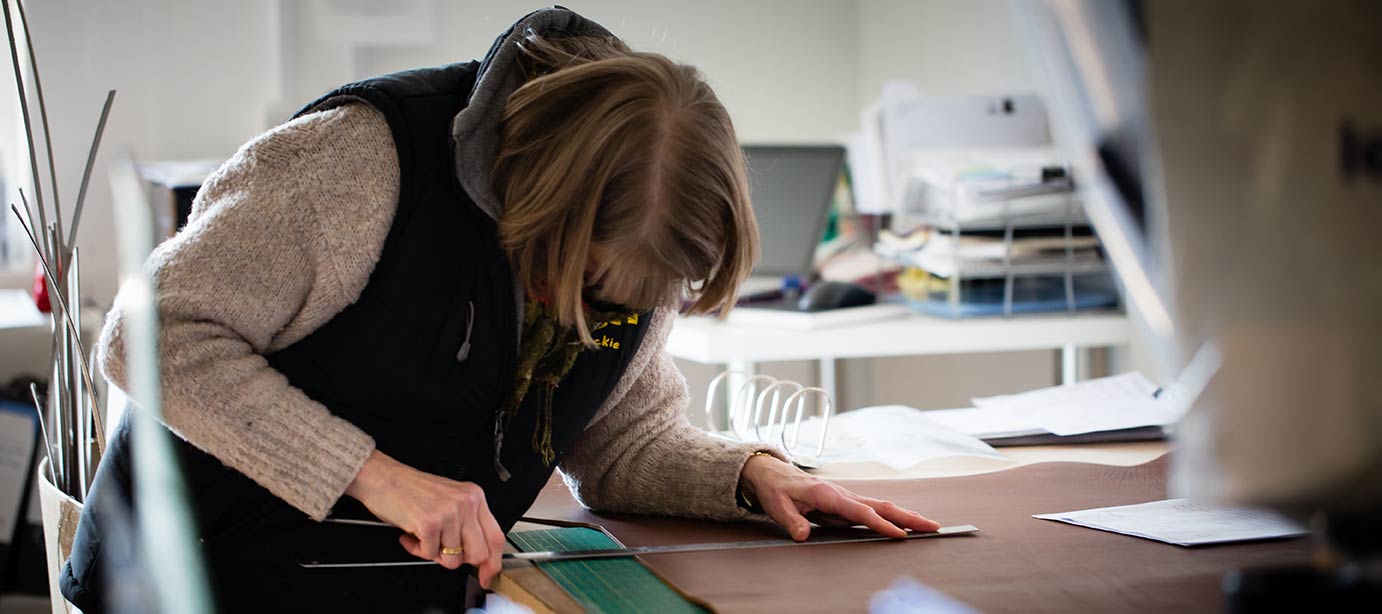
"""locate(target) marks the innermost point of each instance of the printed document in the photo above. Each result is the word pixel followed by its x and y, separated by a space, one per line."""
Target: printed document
pixel 1183 522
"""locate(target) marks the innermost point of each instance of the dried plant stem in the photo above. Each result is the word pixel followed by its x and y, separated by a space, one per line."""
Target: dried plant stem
pixel 43 430
pixel 86 174
pixel 67 319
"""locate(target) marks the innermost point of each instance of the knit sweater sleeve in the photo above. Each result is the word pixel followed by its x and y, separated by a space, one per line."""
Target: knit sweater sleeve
pixel 640 454
pixel 282 237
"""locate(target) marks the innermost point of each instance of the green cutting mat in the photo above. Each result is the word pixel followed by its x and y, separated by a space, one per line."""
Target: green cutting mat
pixel 602 585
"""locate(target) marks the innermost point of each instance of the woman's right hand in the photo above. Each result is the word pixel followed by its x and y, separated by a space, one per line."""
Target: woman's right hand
pixel 434 512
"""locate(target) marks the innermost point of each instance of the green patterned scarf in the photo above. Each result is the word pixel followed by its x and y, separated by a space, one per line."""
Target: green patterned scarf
pixel 546 354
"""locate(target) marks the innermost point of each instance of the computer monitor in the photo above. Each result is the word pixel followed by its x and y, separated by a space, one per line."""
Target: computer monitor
pixel 792 187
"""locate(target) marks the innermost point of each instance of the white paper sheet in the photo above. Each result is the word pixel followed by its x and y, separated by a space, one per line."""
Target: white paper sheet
pixel 894 435
pixel 985 423
pixel 1131 385
pixel 1104 404
pixel 1183 523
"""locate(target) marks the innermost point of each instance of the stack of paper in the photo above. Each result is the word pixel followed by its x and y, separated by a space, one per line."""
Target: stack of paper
pixel 894 435
pixel 1112 403
pixel 943 255
pixel 977 186
pixel 1183 523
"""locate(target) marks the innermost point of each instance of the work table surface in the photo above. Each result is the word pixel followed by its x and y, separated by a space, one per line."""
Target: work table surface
pixel 1015 564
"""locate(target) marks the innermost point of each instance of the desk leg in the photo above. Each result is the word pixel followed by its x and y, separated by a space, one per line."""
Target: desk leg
pixel 1069 364
pixel 827 378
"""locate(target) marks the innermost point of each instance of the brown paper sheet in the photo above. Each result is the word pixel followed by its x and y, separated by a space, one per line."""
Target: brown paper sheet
pixel 1016 564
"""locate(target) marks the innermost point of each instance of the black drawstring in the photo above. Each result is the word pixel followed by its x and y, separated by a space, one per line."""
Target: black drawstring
pixel 464 352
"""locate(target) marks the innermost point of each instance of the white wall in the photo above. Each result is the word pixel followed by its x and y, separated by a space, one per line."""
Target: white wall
pixel 784 68
pixel 945 47
pixel 189 81
pixel 189 76
pixel 197 78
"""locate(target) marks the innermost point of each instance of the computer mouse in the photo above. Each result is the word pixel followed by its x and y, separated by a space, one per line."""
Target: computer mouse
pixel 825 295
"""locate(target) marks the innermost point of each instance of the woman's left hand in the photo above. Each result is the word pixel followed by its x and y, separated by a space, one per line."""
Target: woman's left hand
pixel 789 495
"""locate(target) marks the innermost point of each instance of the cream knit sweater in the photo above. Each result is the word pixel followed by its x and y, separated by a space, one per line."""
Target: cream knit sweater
pixel 283 237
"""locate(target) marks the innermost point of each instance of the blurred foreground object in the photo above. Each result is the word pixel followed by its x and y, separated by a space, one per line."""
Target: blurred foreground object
pixel 1231 158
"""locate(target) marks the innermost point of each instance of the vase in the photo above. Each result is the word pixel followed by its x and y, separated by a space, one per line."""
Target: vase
pixel 60 515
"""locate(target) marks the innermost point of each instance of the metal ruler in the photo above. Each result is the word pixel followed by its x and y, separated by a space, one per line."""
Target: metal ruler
pixel 569 555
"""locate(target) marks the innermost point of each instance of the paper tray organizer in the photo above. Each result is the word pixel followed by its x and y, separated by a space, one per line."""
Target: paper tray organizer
pixel 1070 281
pixel 758 411
pixel 1020 294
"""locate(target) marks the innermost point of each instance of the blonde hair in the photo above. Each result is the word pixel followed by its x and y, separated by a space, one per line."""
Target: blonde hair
pixel 629 154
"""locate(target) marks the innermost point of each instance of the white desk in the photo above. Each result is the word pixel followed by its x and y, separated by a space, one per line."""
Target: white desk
pixel 17 310
pixel 710 341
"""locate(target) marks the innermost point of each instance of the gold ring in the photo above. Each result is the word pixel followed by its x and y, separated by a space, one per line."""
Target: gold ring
pixel 452 551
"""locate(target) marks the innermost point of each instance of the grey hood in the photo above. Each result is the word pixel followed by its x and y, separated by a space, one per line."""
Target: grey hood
pixel 475 131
